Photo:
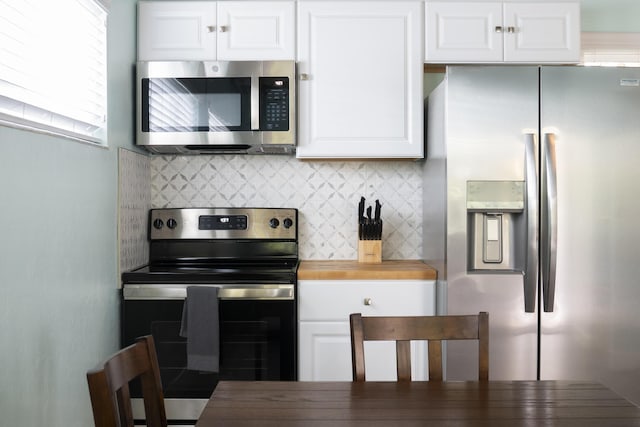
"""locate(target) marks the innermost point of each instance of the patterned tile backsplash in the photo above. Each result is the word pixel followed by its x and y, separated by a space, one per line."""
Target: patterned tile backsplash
pixel 325 193
pixel 134 194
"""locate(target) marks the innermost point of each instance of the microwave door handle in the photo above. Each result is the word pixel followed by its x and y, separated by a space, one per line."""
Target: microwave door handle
pixel 255 103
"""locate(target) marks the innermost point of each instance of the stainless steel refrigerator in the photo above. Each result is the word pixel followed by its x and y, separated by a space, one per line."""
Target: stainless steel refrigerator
pixel 532 213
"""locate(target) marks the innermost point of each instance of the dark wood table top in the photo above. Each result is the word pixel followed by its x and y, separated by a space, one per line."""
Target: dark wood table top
pixel 447 404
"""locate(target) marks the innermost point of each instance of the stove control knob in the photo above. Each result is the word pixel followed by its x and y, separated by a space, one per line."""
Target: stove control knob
pixel 172 223
pixel 288 222
pixel 274 223
pixel 158 224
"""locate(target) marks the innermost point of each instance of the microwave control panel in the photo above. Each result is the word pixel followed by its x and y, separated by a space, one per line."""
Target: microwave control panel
pixel 274 103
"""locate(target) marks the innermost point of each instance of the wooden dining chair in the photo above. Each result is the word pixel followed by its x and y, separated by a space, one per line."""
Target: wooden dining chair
pixel 109 386
pixel 433 329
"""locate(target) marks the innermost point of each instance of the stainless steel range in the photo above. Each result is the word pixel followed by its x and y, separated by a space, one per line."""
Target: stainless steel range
pixel 250 255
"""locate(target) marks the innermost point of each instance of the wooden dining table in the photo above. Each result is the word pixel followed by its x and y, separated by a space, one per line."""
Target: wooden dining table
pixel 440 404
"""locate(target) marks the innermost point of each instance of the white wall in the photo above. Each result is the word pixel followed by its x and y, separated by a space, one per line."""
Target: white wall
pixel 58 255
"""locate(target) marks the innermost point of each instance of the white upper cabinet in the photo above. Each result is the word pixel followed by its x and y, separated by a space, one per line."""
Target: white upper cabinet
pixel 360 67
pixel 542 32
pixel 203 30
pixel 176 30
pixel 461 32
pixel 256 30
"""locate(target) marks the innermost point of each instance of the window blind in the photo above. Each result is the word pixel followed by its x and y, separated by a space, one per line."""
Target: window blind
pixel 611 49
pixel 53 66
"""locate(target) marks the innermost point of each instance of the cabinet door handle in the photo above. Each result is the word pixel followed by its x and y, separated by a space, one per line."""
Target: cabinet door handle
pixel 224 28
pixel 511 30
pixel 211 28
pixel 304 76
pixel 368 301
pixel 499 29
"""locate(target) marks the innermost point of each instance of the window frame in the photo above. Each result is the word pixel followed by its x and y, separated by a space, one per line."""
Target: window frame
pixel 68 98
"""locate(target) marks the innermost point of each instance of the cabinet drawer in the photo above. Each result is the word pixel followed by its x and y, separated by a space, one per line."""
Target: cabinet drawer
pixel 336 299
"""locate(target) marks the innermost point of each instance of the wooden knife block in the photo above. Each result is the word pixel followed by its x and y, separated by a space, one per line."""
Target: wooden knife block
pixel 370 251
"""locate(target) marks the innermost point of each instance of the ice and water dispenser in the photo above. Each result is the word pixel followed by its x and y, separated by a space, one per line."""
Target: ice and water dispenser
pixel 496 222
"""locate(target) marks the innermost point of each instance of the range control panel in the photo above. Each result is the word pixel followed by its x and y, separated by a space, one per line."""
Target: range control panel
pixel 223 223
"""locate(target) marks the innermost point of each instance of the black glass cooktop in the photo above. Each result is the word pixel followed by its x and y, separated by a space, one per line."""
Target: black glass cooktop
pixel 207 273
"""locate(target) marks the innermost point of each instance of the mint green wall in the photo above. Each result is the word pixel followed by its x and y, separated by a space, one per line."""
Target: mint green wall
pixel 58 255
pixel 610 15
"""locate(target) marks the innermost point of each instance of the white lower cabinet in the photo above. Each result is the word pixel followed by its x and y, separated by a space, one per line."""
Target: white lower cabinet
pixel 324 341
pixel 324 351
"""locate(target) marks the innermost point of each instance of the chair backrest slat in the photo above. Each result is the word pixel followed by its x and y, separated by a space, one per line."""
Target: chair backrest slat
pixel 433 329
pixel 109 386
pixel 104 411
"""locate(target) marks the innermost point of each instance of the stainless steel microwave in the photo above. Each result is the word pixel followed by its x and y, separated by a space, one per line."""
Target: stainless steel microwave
pixel 218 107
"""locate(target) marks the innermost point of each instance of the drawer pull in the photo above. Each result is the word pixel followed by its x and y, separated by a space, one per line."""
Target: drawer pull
pixel 367 301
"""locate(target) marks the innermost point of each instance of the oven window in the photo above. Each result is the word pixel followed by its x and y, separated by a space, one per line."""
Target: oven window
pixel 257 342
pixel 196 104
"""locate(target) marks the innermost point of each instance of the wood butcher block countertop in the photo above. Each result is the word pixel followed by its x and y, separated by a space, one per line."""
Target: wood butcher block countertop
pixel 354 270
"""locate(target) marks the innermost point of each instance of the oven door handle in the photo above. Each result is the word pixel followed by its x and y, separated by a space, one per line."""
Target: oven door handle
pixel 225 292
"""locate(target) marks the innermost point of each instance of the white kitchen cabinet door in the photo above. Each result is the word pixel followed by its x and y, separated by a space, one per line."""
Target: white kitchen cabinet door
pixel 324 351
pixel 325 355
pixel 172 30
pixel 256 30
pixel 210 31
pixel 542 32
pixel 324 338
pixel 463 32
pixel 360 68
pixel 496 32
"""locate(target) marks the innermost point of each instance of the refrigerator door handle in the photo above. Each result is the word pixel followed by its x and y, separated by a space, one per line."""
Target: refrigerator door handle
pixel 530 274
pixel 549 222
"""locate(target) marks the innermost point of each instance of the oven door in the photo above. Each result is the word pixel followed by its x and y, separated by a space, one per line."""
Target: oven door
pixel 257 340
